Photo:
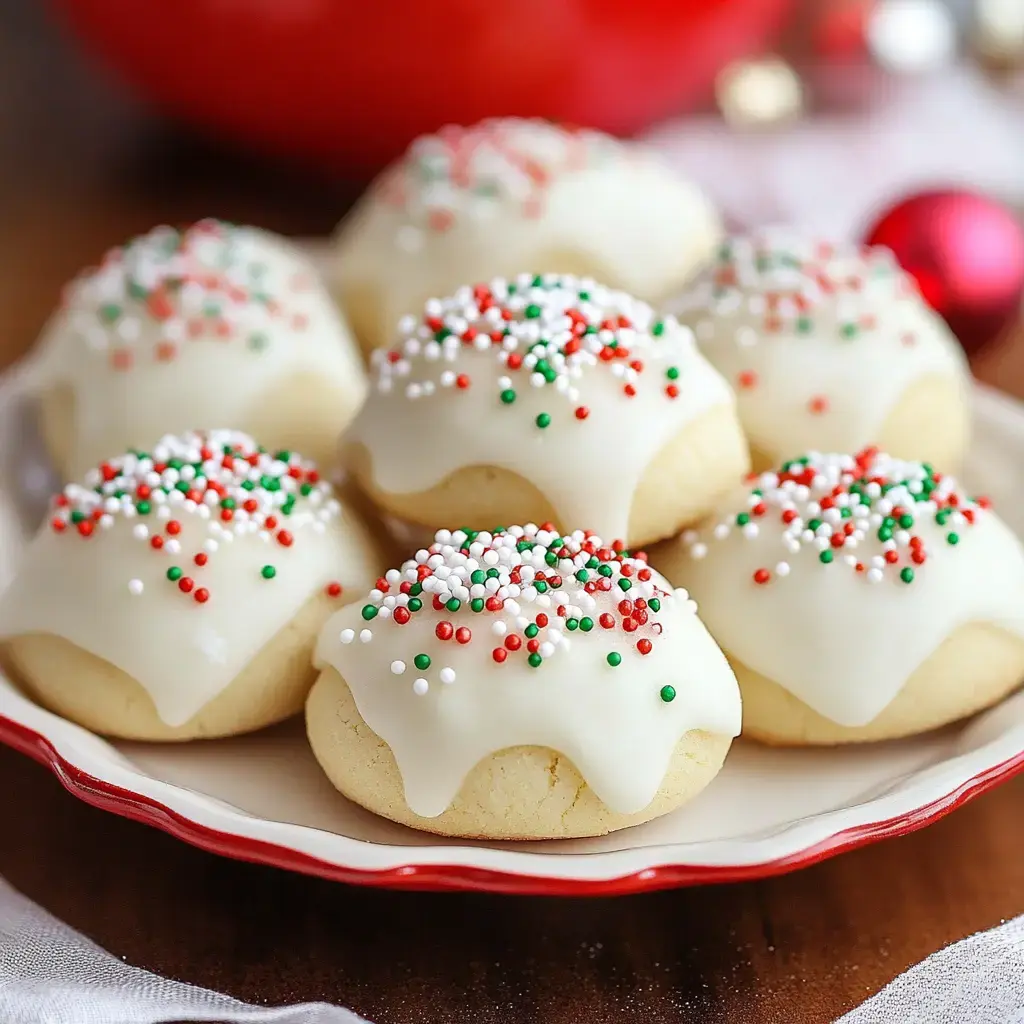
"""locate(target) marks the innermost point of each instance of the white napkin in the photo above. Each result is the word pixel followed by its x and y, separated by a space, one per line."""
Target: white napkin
pixel 50 974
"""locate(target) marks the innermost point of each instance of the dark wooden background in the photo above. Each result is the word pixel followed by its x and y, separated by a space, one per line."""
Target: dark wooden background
pixel 82 167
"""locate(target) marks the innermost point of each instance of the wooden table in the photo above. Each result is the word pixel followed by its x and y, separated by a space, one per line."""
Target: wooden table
pixel 81 169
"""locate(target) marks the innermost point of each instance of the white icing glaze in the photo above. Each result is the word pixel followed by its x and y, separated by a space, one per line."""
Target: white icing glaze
pixel 613 722
pixel 109 592
pixel 419 425
pixel 845 640
pixel 472 203
pixel 185 330
pixel 819 341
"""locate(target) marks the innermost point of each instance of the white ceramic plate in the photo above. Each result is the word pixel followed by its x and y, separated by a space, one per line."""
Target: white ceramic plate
pixel 263 798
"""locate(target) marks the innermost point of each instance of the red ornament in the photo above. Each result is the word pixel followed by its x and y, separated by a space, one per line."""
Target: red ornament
pixel 966 253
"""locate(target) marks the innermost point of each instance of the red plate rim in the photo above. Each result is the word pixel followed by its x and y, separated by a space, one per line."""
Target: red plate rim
pixel 451 877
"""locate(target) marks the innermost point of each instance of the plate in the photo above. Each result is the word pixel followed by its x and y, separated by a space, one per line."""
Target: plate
pixel 263 798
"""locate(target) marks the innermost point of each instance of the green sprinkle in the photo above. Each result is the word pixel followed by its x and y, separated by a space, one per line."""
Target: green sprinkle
pixel 477 604
pixel 227 503
pixel 604 570
pixel 422 662
pixel 550 558
pixel 582 575
pixel 952 538
pixel 941 517
pixel 803 324
pixel 453 605
pixel 614 658
pixel 268 572
pixel 532 311
pixel 667 694
pixel 571 624
pixel 508 396
pixel 110 312
pixel 884 533
pixel 672 373
pixel 477 576
pixel 544 420
pixel 654 604
pixel 415 604
pixel 538 281
pixel 906 521
pixel 78 517
pixel 535 660
pixel 369 611
pixel 848 330
pixel 248 485
pixel 143 508
pixel 658 329
pixel 907 575
pixel 532 630
pixel 306 490
pixel 541 586
pixel 813 524
pixel 493 574
pixel 586 624
pixel 625 584
pixel 174 574
pixel 742 519
pixel 826 557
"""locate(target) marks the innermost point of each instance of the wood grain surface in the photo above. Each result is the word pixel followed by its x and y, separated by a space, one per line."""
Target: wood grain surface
pixel 81 167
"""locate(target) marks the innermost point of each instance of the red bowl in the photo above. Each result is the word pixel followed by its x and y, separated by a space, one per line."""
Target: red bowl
pixel 349 84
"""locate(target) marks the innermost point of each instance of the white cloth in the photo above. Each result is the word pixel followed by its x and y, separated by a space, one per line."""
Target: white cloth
pixel 979 980
pixel 833 173
pixel 50 974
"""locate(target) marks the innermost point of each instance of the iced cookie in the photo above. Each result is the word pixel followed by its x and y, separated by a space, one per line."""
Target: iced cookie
pixel 209 327
pixel 829 348
pixel 178 593
pixel 858 598
pixel 472 203
pixel 546 398
pixel 521 685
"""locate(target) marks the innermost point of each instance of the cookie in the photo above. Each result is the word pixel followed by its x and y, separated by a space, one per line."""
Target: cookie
pixel 830 348
pixel 521 684
pixel 506 194
pixel 204 328
pixel 546 398
pixel 858 598
pixel 177 593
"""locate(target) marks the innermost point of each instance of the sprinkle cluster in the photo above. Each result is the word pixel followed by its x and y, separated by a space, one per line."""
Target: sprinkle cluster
pixel 792 285
pixel 209 281
pixel 545 331
pixel 863 511
pixel 521 593
pixel 222 478
pixel 465 171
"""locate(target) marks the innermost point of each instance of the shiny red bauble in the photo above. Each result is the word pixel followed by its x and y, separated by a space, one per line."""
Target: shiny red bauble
pixel 966 252
pixel 349 83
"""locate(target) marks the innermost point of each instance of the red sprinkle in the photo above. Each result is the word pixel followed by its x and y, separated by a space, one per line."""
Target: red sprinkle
pixel 463 635
pixel 444 630
pixel 499 654
pixel 401 615
pixel 644 646
pixel 762 576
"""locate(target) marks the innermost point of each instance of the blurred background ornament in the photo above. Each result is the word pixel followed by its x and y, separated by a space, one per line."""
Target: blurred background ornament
pixel 966 252
pixel 759 93
pixel 997 33
pixel 911 36
pixel 350 84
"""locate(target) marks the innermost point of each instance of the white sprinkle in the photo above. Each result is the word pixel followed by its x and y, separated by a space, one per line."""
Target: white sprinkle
pixel 447 675
pixel 398 667
pixel 782 569
pixel 420 686
pixel 135 587
pixel 347 636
